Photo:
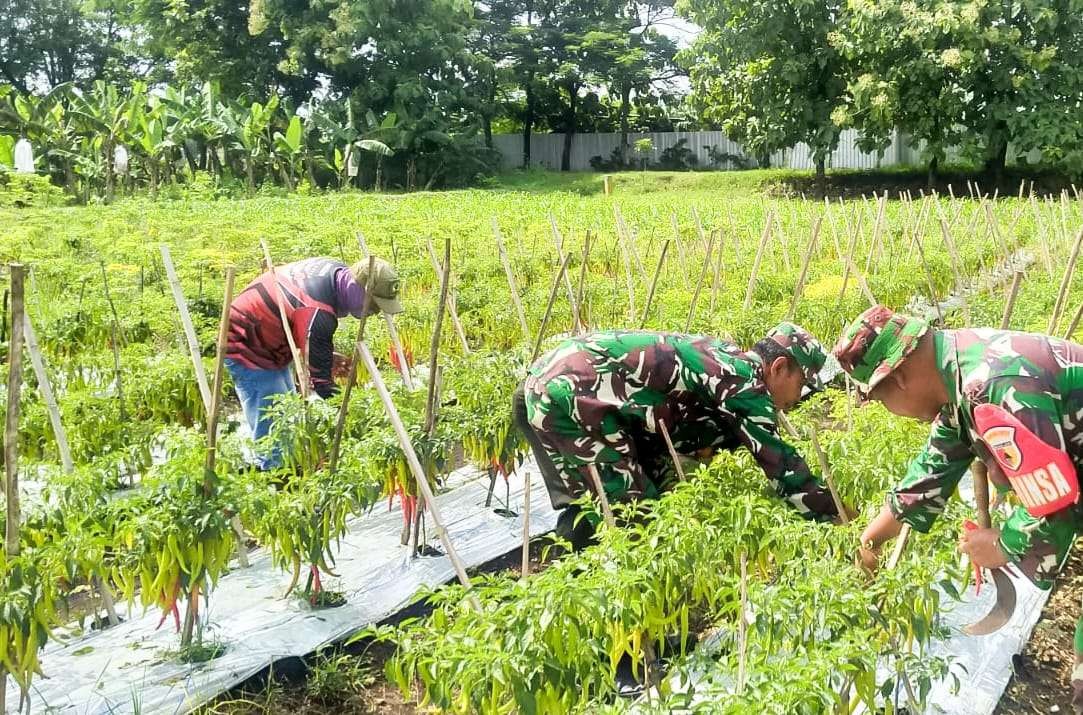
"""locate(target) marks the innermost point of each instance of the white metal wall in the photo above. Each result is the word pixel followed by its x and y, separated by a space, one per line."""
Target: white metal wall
pixel 545 150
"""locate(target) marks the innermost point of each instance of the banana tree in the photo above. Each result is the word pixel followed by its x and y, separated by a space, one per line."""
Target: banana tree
pixel 155 138
pixel 339 131
pixel 287 151
pixel 249 130
pixel 46 122
pixel 105 112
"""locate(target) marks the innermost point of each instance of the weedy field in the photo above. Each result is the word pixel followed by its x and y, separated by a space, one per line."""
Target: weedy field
pixel 144 498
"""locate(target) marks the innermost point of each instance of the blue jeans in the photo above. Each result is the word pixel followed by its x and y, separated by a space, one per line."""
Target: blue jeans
pixel 256 390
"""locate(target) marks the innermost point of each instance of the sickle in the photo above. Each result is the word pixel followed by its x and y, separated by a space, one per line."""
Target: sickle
pixel 1005 604
pixel 1002 609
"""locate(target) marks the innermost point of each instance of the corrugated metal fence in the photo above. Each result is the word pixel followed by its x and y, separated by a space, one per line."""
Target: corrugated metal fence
pixel 546 149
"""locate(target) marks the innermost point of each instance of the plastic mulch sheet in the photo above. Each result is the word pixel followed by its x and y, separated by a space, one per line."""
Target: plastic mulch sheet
pixel 983 664
pixel 129 668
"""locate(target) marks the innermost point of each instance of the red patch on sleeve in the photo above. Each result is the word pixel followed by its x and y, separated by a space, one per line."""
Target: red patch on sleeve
pixel 1043 476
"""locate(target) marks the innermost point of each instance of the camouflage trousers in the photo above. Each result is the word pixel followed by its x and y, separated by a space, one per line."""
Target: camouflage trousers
pixel 567 484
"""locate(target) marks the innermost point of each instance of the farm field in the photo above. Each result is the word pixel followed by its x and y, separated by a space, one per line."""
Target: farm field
pixel 142 510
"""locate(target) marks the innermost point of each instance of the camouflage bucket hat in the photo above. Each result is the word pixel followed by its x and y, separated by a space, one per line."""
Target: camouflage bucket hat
pixel 804 349
pixel 876 343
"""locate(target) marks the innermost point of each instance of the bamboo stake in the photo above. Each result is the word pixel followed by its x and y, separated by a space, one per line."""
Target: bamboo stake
pixel 47 395
pixel 956 269
pixel 603 500
pixel 677 239
pixel 415 468
pixel 804 268
pixel 524 571
pixel 298 365
pixel 929 279
pixel 511 280
pixel 11 426
pixel 699 227
pixel 627 263
pixel 186 323
pixel 699 284
pixel 1065 283
pixel 877 229
pixel 344 406
pixel 393 333
pixel 1013 293
pixel 61 436
pixel 1075 322
pixel 716 282
pixel 582 278
pixel 829 477
pixel 577 323
pixel 1047 259
pixel 672 452
pixel 452 309
pixel 742 628
pixel 11 436
pixel 764 237
pixel 627 234
pixel 654 283
pixel 548 309
pixel 900 544
pixel 115 344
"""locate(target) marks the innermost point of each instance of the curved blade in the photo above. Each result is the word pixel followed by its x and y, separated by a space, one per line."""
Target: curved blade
pixel 1002 610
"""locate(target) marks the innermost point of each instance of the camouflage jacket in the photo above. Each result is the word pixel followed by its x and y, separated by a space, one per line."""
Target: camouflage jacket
pixel 599 398
pixel 1037 379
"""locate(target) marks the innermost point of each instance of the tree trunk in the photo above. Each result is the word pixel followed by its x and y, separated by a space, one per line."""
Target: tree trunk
pixel 528 121
pixel 934 164
pixel 625 96
pixel 250 174
pixel 821 176
pixel 997 154
pixel 569 128
pixel 109 179
pixel 487 115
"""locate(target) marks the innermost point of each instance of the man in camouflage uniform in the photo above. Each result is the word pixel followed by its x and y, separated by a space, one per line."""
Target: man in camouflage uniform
pixel 599 399
pixel 943 377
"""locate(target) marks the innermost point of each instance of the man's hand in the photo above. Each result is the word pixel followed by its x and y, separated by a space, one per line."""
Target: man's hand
pixel 983 547
pixel 869 559
pixel 340 366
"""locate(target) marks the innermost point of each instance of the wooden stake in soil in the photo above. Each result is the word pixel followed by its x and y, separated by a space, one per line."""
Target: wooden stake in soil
pixel 189 332
pixel 47 396
pixel 415 468
pixel 61 436
pixel 603 500
pixel 298 364
pixel 549 309
pixel 11 425
pixel 393 333
pixel 672 452
pixel 929 279
pixel 1075 322
pixel 510 274
pixel 829 477
pixel 764 237
pixel 450 298
pixel 627 264
pixel 742 628
pixel 804 269
pixel 344 406
pixel 1013 293
pixel 582 281
pixel 699 283
pixel 577 323
pixel 654 284
pixel 524 571
pixel 115 344
pixel 1065 283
